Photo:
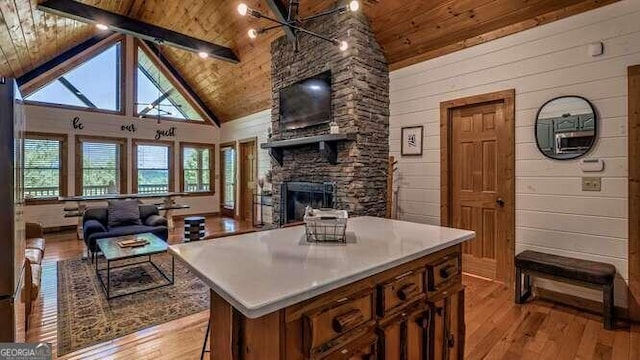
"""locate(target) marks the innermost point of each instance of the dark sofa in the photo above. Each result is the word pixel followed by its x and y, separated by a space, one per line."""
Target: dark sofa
pixel 95 225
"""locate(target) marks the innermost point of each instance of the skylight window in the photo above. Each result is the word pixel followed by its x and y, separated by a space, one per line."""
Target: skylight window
pixel 157 96
pixel 95 84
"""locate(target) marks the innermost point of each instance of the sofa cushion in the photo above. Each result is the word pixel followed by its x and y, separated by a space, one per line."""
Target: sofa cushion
pixel 155 220
pixel 34 256
pixel 129 230
pixel 99 214
pixel 36 243
pixel 147 210
pixel 124 212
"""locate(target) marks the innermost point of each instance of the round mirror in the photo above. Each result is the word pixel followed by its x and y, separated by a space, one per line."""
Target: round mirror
pixel 566 127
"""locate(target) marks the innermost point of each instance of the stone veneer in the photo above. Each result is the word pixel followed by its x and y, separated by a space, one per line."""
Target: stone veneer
pixel 360 101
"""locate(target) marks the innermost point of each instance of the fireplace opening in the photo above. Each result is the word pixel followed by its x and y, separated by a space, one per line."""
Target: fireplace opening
pixel 298 195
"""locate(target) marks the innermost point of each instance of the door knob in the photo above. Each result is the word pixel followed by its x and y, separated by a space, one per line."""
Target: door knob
pixel 500 202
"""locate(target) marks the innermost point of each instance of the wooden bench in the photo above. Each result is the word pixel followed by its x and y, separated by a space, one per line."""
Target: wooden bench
pixel 581 272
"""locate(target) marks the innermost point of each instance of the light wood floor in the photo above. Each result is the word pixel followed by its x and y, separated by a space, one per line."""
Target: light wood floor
pixel 496 327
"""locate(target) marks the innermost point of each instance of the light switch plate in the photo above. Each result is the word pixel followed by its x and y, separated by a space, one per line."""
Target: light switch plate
pixel 591 184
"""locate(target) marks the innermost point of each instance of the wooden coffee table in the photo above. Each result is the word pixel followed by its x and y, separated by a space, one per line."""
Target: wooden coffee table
pixel 113 252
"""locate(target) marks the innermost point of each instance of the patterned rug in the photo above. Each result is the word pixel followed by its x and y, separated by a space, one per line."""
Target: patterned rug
pixel 85 317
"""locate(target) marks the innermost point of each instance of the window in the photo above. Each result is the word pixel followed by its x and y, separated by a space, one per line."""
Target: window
pixel 153 167
pixel 95 84
pixel 228 172
pixel 44 166
pixel 197 168
pixel 157 95
pixel 100 163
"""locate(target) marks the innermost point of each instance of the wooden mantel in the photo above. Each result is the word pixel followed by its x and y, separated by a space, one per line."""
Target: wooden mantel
pixel 327 145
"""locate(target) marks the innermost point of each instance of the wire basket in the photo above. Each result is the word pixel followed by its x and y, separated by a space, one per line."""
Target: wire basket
pixel 325 225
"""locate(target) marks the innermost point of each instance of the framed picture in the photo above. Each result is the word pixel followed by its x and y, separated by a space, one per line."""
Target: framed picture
pixel 411 144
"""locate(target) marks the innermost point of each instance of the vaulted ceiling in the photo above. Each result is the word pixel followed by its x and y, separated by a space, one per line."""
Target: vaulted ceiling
pixel 408 31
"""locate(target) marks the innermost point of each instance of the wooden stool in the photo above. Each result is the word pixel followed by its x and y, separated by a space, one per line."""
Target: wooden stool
pixel 193 228
pixel 586 273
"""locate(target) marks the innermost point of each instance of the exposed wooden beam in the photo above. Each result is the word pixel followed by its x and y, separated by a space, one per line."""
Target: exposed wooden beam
pixel 281 14
pixel 122 24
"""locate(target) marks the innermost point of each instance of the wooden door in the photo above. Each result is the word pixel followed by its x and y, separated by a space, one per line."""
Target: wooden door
pixel 228 166
pixel 248 170
pixel 481 181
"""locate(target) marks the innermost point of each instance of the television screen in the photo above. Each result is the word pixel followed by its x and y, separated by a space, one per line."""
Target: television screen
pixel 306 103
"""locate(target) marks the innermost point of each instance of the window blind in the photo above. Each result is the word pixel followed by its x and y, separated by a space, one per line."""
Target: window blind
pixel 196 169
pixel 100 168
pixel 153 168
pixel 42 165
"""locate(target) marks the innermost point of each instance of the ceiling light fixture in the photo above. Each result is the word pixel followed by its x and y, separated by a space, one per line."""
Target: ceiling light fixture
pixel 102 26
pixel 354 5
pixel 296 24
pixel 243 9
pixel 203 54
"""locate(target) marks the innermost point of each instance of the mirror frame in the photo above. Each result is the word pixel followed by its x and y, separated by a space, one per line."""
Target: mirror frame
pixel 596 119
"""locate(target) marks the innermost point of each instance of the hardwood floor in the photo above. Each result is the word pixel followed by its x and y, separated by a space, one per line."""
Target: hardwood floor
pixel 497 328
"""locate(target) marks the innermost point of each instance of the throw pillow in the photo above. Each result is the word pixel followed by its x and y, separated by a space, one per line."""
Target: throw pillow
pixel 124 212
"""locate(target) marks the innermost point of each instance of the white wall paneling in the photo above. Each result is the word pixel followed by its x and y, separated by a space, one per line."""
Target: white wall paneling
pixel 252 126
pixel 552 213
pixel 56 120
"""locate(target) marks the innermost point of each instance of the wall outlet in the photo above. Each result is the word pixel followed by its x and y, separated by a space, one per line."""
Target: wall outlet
pixel 591 184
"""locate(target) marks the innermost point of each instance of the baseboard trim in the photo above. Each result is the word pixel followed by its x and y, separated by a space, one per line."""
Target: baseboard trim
pixel 577 302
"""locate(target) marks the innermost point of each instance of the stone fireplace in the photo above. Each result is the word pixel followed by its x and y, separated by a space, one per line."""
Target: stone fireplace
pixel 360 107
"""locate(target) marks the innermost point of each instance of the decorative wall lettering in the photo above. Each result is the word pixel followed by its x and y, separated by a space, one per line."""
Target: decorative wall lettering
pixel 130 128
pixel 77 124
pixel 171 132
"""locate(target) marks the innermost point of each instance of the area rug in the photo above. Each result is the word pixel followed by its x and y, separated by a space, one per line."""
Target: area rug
pixel 86 317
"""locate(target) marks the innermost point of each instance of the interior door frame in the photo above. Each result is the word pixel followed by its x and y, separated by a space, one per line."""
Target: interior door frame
pixel 633 129
pixel 241 175
pixel 223 210
pixel 505 267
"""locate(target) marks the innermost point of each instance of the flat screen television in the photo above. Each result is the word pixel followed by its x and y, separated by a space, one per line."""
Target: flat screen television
pixel 306 103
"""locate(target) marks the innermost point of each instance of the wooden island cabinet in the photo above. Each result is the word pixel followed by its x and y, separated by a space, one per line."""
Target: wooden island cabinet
pixel 405 310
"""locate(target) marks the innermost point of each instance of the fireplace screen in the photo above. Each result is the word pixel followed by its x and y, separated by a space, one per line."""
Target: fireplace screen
pixel 298 195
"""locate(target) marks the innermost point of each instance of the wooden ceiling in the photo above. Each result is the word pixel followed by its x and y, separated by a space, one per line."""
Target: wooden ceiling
pixel 408 31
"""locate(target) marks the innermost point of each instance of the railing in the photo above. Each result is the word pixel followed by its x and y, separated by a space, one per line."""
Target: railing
pixel 152 189
pixel 195 188
pixel 41 192
pixel 97 190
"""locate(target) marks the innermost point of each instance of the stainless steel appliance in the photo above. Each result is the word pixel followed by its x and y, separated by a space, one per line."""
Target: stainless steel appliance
pixel 12 243
pixel 574 141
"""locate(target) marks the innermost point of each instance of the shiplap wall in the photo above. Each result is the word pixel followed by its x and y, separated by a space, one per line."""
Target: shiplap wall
pixel 552 213
pixel 56 120
pixel 251 127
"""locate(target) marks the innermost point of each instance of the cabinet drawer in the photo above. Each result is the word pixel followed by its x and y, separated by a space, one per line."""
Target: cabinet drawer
pixel 326 326
pixel 443 272
pixel 363 348
pixel 396 293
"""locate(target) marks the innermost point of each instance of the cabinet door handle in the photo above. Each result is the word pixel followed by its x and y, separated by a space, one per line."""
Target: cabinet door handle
pixel 451 341
pixel 407 291
pixel 444 271
pixel 347 320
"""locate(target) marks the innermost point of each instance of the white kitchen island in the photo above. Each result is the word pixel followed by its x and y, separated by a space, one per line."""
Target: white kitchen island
pixel 275 296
